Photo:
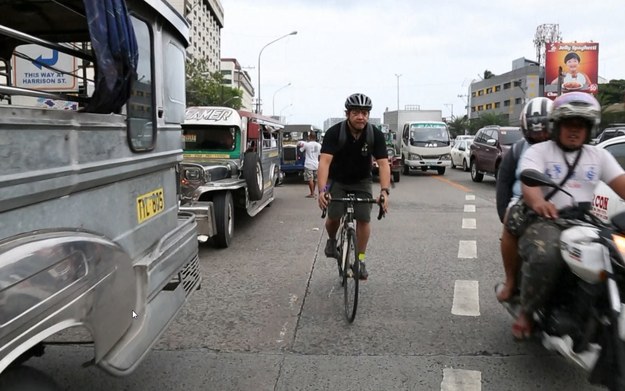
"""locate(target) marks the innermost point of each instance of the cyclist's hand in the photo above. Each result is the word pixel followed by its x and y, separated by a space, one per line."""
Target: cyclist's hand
pixel 383 201
pixel 324 200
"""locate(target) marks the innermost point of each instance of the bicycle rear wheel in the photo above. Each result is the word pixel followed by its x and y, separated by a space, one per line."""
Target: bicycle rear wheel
pixel 351 277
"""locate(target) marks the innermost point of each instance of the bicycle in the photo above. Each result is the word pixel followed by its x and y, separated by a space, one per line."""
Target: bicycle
pixel 348 262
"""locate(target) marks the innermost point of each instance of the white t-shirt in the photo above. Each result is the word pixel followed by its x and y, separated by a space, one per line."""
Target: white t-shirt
pixel 594 165
pixel 312 149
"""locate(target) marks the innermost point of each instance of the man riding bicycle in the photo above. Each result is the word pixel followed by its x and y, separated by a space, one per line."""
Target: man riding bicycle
pixel 345 167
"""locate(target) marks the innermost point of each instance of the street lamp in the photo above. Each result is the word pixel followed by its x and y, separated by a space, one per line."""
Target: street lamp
pixel 261 52
pixel 397 76
pixel 273 104
pixel 284 108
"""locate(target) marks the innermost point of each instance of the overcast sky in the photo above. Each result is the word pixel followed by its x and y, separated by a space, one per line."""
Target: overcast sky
pixel 438 47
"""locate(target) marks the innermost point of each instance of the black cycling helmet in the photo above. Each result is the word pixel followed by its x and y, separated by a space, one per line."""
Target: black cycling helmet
pixel 358 101
pixel 535 118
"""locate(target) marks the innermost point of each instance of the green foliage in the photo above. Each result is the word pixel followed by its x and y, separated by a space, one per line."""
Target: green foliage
pixel 487 119
pixel 206 89
pixel 488 74
pixel 611 92
pixel 457 125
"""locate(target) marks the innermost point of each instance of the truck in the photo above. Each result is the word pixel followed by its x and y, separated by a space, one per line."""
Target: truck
pixel 92 241
pixel 398 118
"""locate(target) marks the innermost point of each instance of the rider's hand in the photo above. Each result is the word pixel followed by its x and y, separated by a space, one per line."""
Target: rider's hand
pixel 383 196
pixel 324 200
pixel 546 209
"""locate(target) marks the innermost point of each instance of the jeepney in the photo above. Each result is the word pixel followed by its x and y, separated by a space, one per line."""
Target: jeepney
pixel 91 236
pixel 292 159
pixel 231 160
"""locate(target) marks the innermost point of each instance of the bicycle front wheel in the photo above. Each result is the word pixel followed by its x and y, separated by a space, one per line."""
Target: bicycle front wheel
pixel 351 277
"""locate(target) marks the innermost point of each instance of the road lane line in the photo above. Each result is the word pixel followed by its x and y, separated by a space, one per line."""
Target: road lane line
pixel 469 208
pixel 469 197
pixel 466 298
pixel 467 249
pixel 452 183
pixel 461 380
pixel 469 223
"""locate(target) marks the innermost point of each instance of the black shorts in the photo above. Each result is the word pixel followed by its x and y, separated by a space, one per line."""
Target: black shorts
pixel 362 189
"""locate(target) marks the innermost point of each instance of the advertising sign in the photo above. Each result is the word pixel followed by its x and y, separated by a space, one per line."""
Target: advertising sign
pixel 36 75
pixel 579 62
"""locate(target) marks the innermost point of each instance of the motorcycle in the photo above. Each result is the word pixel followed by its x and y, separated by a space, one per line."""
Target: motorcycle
pixel 585 322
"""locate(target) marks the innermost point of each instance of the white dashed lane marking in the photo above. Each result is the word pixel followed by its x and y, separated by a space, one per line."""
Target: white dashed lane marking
pixel 467 249
pixel 461 380
pixel 469 197
pixel 469 208
pixel 466 298
pixel 469 223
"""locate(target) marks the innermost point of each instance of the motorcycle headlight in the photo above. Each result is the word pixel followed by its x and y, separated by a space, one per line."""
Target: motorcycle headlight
pixel 446 156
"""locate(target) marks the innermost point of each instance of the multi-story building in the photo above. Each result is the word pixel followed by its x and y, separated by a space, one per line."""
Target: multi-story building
pixel 206 19
pixel 235 77
pixel 506 94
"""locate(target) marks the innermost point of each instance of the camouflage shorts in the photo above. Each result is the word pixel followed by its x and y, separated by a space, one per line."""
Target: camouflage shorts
pixel 310 175
pixel 539 247
pixel 518 218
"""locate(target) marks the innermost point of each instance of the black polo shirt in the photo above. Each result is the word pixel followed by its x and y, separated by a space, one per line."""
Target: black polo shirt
pixel 352 163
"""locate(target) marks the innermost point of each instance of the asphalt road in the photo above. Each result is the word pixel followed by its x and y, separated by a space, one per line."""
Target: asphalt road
pixel 269 315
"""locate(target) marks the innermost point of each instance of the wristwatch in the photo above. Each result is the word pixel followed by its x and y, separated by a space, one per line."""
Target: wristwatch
pixel 385 190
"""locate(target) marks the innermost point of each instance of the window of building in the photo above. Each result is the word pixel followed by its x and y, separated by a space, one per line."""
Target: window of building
pixel 517 101
pixel 480 93
pixel 507 86
pixel 473 109
pixel 489 106
pixel 489 90
pixel 497 88
pixel 506 103
pixel 474 94
pixel 480 108
pixel 497 105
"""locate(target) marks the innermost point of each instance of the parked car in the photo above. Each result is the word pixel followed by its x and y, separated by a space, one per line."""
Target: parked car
pixel 612 131
pixel 393 157
pixel 606 203
pixel 490 145
pixel 461 154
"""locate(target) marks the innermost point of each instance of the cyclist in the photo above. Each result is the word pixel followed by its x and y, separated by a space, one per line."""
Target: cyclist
pixel 536 128
pixel 345 166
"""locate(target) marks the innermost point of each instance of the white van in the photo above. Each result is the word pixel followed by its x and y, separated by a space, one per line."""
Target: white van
pixel 425 145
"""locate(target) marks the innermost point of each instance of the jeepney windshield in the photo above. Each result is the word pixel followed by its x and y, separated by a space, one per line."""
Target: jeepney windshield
pixel 202 137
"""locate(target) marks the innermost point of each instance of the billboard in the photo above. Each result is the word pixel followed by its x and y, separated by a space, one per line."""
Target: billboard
pixel 579 62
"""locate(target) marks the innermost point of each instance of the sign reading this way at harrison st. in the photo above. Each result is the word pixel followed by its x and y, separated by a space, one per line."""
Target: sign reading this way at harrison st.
pixel 37 73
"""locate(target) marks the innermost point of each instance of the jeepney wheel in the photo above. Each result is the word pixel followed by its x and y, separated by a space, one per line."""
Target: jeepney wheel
pixel 224 218
pixel 396 176
pixel 25 378
pixel 253 174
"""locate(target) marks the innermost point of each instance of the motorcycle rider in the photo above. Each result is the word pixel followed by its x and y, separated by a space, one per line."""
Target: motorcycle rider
pixel 536 128
pixel 574 116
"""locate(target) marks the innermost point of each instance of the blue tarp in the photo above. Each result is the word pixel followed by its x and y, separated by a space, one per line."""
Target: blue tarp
pixel 115 48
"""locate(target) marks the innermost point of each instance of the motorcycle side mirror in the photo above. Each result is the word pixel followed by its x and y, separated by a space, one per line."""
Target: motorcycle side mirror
pixel 533 178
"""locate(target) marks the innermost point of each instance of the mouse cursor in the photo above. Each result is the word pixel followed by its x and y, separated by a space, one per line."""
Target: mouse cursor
pixel 134 314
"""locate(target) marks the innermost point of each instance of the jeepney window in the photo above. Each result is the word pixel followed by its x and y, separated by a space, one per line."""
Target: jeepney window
pixel 140 107
pixel 269 137
pixel 174 83
pixel 215 138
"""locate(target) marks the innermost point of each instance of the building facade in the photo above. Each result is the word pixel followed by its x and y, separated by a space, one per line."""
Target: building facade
pixel 335 120
pixel 206 19
pixel 235 77
pixel 506 94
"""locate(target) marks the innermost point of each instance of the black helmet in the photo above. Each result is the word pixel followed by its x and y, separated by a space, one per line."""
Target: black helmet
pixel 535 118
pixel 358 101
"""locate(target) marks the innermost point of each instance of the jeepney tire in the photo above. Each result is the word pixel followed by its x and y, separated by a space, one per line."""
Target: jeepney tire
pixel 25 378
pixel 396 176
pixel 253 174
pixel 224 218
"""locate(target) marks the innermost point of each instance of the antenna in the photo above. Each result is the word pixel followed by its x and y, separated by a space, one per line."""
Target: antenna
pixel 545 33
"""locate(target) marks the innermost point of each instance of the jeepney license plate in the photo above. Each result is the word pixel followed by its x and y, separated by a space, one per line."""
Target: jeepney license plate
pixel 150 204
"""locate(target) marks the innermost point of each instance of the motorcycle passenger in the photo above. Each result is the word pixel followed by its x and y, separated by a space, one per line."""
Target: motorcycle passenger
pixel 348 168
pixel 536 128
pixel 574 116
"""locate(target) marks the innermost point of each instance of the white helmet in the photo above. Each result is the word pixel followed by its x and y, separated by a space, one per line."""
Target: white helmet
pixel 535 118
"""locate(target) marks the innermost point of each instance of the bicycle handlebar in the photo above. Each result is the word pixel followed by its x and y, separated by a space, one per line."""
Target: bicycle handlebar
pixel 357 200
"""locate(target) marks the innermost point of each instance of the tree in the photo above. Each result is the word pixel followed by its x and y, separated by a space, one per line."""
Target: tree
pixel 487 119
pixel 457 125
pixel 611 92
pixel 207 89
pixel 488 74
